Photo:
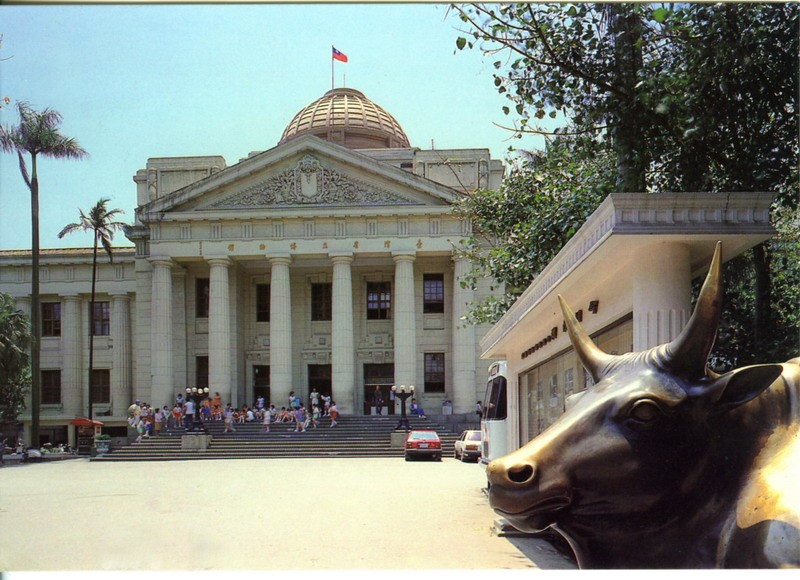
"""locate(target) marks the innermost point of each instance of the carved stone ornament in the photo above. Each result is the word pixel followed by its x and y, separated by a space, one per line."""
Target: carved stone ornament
pixel 662 463
pixel 309 183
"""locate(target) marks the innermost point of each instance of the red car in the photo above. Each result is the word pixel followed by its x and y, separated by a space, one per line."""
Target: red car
pixel 423 444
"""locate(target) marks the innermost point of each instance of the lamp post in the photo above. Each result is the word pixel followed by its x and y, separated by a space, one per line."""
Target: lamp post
pixel 197 395
pixel 403 395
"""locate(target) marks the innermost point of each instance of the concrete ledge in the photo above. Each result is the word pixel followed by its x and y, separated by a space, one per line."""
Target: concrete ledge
pixel 398 438
pixel 197 443
pixel 12 459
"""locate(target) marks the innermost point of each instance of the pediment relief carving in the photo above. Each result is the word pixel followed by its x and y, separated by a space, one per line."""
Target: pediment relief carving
pixel 309 183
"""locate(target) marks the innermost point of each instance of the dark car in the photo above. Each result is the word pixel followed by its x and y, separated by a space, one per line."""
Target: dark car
pixel 423 444
pixel 468 446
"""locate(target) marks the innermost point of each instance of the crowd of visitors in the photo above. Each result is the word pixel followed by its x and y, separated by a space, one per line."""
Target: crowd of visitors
pixel 150 421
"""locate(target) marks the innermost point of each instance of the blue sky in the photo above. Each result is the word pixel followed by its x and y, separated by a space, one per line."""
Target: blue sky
pixel 139 81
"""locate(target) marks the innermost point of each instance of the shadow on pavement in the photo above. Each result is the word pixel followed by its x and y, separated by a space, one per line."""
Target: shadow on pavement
pixel 548 551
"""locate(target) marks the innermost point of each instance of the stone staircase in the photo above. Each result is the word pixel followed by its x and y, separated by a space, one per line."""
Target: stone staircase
pixel 353 436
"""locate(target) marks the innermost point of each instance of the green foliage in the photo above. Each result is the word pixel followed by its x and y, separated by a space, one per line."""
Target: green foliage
pixel 519 228
pixel 737 344
pixel 690 97
pixel 14 360
pixel 726 94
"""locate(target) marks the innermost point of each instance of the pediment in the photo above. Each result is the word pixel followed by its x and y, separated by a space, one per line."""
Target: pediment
pixel 310 182
pixel 303 174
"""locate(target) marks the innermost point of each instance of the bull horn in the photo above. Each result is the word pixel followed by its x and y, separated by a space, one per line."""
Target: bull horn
pixel 594 360
pixel 688 353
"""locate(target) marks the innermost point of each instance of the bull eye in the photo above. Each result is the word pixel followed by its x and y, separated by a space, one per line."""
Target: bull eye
pixel 645 411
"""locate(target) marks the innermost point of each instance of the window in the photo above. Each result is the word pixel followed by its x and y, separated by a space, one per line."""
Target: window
pixel 51 387
pixel 102 318
pixel 202 288
pixel 434 372
pixel 433 293
pixel 101 386
pixel 201 371
pixel 321 301
pixel 262 302
pixel 379 300
pixel 51 318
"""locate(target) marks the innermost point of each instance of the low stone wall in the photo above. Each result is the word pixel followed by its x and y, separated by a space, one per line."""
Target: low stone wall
pixel 457 422
pixel 195 442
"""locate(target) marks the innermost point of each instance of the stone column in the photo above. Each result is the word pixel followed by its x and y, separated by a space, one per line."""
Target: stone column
pixel 72 371
pixel 343 348
pixel 23 304
pixel 662 286
pixel 219 329
pixel 163 388
pixel 463 388
pixel 280 330
pixel 121 391
pixel 405 322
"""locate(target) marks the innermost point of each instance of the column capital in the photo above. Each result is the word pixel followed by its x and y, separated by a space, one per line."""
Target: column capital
pixel 164 261
pixel 71 296
pixel 120 295
pixel 341 257
pixel 404 256
pixel 22 298
pixel 279 258
pixel 219 261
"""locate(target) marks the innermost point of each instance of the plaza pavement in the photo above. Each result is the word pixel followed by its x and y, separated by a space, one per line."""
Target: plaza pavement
pixel 274 514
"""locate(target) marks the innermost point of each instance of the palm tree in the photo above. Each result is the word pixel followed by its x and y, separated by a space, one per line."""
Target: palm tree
pixel 37 134
pixel 100 222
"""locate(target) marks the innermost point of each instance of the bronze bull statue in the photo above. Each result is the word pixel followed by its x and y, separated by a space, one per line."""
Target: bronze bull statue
pixel 663 463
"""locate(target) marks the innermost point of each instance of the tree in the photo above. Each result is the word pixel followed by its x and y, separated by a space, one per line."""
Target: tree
pixel 521 227
pixel 37 134
pixel 15 339
pixel 99 221
pixel 583 60
pixel 687 97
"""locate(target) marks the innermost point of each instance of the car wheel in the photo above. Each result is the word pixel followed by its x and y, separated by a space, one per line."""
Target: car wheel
pixel 438 458
pixel 455 453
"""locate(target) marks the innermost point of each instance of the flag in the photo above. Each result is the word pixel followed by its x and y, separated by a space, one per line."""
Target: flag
pixel 339 55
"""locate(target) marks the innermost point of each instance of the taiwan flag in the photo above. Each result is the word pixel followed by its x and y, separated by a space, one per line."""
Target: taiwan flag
pixel 339 55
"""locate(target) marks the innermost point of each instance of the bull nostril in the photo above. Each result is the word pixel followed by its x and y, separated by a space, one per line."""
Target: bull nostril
pixel 521 473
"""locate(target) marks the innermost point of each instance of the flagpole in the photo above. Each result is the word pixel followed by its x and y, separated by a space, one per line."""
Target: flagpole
pixel 332 59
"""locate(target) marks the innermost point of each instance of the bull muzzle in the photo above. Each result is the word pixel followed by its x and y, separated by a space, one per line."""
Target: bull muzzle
pixel 516 493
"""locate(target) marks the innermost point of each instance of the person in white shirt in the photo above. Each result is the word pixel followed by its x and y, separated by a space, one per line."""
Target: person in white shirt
pixel 188 413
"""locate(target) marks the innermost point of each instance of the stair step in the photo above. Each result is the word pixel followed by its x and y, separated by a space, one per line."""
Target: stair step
pixel 353 436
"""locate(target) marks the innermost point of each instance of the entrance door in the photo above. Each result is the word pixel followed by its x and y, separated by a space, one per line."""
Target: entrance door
pixel 261 384
pixel 381 377
pixel 319 377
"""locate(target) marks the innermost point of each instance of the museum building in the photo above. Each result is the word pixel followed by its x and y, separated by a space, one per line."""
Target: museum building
pixel 327 262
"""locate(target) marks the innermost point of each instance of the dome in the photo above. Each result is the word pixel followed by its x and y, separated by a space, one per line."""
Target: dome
pixel 347 117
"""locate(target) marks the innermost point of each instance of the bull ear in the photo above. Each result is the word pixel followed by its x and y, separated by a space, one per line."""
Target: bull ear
pixel 743 385
pixel 594 360
pixel 688 353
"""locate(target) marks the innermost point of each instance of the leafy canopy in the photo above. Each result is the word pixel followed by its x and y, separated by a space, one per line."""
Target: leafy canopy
pixel 15 338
